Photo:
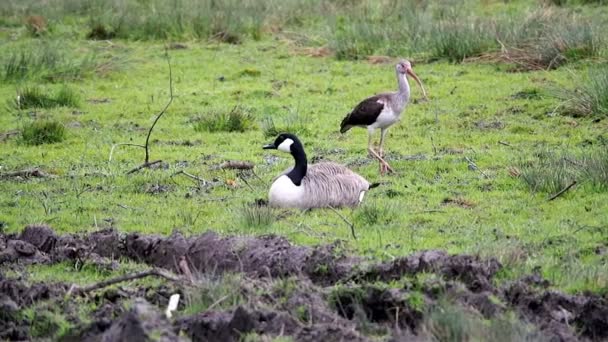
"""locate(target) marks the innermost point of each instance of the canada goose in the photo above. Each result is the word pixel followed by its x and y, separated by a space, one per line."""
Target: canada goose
pixel 382 111
pixel 318 185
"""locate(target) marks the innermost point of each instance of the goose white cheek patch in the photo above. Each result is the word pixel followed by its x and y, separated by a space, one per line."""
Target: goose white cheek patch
pixel 285 146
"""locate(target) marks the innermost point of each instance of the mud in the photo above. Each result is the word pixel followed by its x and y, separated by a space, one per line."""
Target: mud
pixel 309 293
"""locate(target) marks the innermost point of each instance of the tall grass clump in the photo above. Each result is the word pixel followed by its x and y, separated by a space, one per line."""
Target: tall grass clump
pixel 588 98
pixel 457 39
pixel 291 122
pixel 547 38
pixel 450 322
pixel 42 132
pixel 35 97
pixel 220 292
pixel 45 60
pixel 371 213
pixel 596 170
pixel 229 21
pixel 238 119
pixel 398 28
pixel 256 216
pixel 552 171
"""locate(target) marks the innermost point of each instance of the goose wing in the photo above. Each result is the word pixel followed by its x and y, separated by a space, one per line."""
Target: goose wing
pixel 330 184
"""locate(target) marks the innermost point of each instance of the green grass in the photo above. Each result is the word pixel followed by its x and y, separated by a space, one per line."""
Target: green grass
pixel 47 60
pixel 428 148
pixel 43 132
pixel 588 98
pixel 211 293
pixel 35 97
pixel 237 119
pixel 449 322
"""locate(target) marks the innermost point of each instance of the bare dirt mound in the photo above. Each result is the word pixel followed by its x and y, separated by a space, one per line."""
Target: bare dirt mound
pixel 309 293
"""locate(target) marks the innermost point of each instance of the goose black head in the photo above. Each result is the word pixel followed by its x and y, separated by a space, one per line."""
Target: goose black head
pixel 285 142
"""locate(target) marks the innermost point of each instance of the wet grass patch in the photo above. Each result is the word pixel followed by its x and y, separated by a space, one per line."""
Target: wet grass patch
pixel 43 132
pixel 36 97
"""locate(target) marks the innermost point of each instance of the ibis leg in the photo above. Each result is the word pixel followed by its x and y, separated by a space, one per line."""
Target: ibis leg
pixel 383 164
pixel 383 167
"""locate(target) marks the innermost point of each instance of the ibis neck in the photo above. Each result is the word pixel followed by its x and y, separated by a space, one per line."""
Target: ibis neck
pixel 404 86
pixel 403 95
pixel 299 170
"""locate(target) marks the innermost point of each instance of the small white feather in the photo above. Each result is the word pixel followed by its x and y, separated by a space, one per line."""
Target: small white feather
pixel 173 302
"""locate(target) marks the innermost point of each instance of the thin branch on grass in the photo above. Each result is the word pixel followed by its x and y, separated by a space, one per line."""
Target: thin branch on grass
pixel 144 165
pixel 475 167
pixel 127 207
pixel 562 191
pixel 183 266
pixel 504 143
pixel 147 163
pixel 122 144
pixel 351 225
pixel 36 172
pixel 219 301
pixel 235 165
pixel 240 174
pixel 6 135
pixel 99 285
pixel 196 178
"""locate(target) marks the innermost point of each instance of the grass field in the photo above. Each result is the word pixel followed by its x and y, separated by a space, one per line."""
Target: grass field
pixel 475 165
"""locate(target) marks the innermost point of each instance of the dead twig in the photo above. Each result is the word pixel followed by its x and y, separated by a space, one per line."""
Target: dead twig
pixel 196 178
pixel 562 191
pixel 351 225
pixel 127 277
pixel 183 266
pixel 122 144
pixel 147 163
pixel 474 166
pixel 235 165
pixel 36 172
pixel 6 135
pixel 240 174
pixel 504 143
pixel 144 165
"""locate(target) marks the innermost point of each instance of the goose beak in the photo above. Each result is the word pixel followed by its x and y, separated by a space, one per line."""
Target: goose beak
pixel 269 147
pixel 413 74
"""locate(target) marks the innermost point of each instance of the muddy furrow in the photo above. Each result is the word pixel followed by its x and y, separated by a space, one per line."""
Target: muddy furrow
pixel 336 298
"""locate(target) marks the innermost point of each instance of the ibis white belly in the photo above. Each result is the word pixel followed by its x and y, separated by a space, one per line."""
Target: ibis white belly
pixel 386 118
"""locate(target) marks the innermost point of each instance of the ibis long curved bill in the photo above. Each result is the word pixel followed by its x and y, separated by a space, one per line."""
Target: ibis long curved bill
pixel 413 74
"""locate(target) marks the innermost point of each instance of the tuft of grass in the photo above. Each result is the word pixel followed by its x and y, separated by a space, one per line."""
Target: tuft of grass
pixel 46 60
pixel 43 132
pixel 596 168
pixel 457 39
pixel 546 39
pixel 371 213
pixel 238 119
pixel 588 98
pixel 35 97
pixel 449 322
pixel 219 293
pixel 552 171
pixel 255 216
pixel 292 122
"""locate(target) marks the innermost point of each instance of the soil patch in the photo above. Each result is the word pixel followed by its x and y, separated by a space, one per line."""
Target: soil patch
pixel 308 293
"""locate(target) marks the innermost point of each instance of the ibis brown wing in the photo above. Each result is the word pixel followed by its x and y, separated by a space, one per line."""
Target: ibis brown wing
pixel 364 114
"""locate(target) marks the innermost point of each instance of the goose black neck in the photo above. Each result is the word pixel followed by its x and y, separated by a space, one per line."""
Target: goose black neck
pixel 299 170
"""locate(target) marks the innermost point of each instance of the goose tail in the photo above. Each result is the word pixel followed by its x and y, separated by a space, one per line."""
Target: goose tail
pixel 374 185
